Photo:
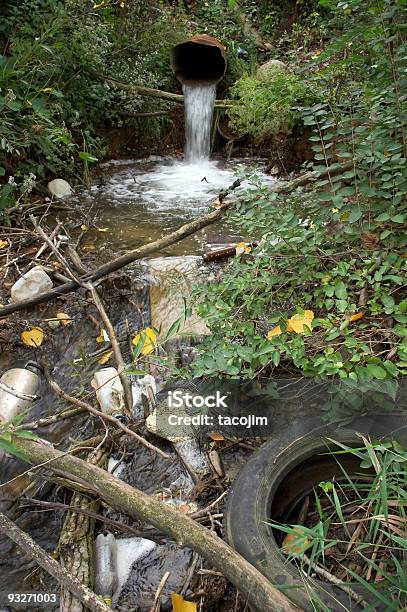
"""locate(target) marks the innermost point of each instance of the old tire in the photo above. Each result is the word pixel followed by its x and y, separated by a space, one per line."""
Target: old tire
pixel 260 487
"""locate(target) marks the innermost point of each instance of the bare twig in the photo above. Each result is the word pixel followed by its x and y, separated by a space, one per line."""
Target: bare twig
pixel 156 605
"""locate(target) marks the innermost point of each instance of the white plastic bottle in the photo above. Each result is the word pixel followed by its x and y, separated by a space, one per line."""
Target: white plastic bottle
pixel 105 567
pixel 18 388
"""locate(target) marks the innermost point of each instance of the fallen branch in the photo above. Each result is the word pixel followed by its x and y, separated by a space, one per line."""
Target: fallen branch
pixel 148 91
pixel 123 260
pixel 166 241
pixel 261 595
pixel 31 549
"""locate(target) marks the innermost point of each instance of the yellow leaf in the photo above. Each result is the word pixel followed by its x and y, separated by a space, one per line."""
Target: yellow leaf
pixel 276 331
pixel 105 357
pixel 180 605
pixel 32 337
pixel 356 316
pixel 294 543
pixel 64 318
pixel 84 227
pixel 298 322
pixel 3 244
pixel 56 265
pixel 103 229
pixel 149 339
pixel 241 248
pixel 216 435
pixel 103 336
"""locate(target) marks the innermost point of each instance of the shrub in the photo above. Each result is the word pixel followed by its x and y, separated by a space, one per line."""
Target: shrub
pixel 266 103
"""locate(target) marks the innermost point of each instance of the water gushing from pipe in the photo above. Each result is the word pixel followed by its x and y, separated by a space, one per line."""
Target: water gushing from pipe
pixel 199 101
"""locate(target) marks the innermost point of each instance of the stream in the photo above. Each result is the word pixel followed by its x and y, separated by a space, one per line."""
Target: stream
pixel 134 202
pixel 131 202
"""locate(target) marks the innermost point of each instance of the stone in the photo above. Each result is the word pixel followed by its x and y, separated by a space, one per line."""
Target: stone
pixel 59 188
pixel 171 281
pixel 32 283
pixel 270 64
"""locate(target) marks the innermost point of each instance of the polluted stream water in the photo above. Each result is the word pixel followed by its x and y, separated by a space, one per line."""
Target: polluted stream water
pixel 131 203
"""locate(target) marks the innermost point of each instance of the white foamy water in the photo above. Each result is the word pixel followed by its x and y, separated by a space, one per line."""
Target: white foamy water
pixel 163 183
pixel 199 101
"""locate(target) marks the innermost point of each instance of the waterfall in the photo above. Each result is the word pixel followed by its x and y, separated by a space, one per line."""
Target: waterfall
pixel 199 101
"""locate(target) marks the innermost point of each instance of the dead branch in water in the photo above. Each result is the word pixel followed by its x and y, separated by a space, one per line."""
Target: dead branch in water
pixel 185 230
pixel 260 593
pixel 121 366
pixel 127 258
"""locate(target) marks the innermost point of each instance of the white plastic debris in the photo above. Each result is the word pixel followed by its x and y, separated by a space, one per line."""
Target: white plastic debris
pixel 143 386
pixel 109 391
pixel 32 283
pixel 128 551
pixel 115 466
pixel 105 566
pixel 59 188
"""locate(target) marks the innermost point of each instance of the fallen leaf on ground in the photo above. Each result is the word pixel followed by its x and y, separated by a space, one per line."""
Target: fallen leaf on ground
pixel 298 322
pixel 105 357
pixel 84 227
pixel 32 337
pixel 103 336
pixel 56 265
pixel 149 340
pixel 276 331
pixel 242 248
pixel 294 543
pixel 356 316
pixel 103 229
pixel 216 435
pixel 64 318
pixel 3 244
pixel 180 605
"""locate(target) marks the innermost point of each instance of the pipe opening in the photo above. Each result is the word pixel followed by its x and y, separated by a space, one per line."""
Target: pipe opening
pixel 199 60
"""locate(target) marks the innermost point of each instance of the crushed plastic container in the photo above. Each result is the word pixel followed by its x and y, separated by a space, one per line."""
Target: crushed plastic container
pixel 34 282
pixel 18 389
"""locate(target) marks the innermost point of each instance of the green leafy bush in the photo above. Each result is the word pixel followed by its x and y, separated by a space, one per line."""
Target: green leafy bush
pixel 266 103
pixel 336 249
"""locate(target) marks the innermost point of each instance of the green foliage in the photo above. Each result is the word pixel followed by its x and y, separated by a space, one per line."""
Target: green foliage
pixel 337 248
pixel 50 100
pixel 266 103
pixel 10 430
